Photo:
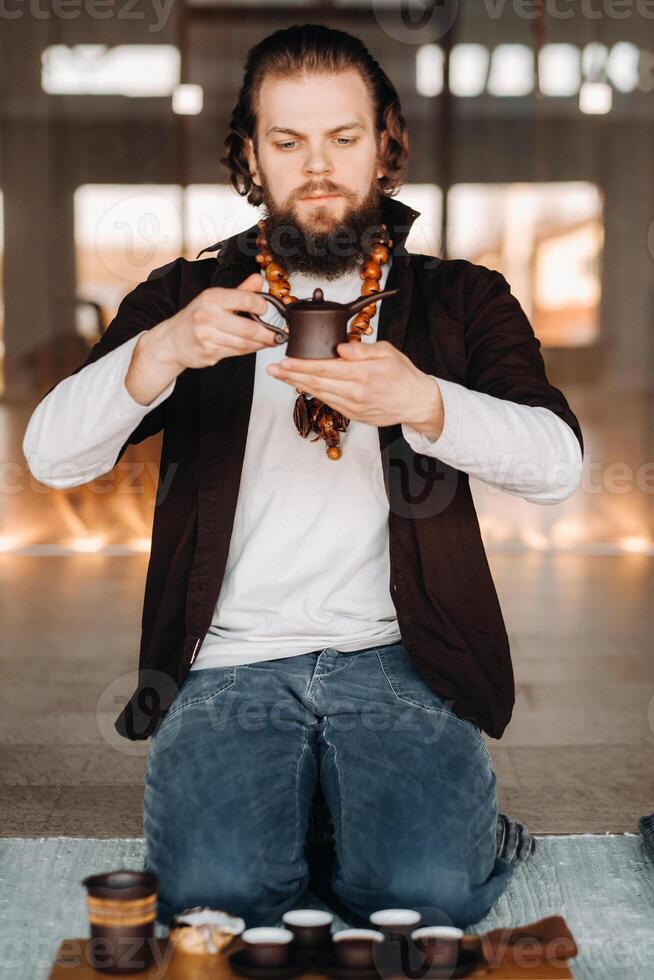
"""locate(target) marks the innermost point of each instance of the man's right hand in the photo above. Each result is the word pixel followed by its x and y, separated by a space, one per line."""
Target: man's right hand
pixel 209 329
pixel 203 333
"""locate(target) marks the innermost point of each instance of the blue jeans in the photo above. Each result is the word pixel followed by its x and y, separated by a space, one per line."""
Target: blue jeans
pixel 410 787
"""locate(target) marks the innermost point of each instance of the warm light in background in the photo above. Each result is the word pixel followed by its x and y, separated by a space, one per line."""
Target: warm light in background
pixel 508 71
pixel 429 70
pixel 188 100
pixel 546 239
pixel 595 98
pixel 89 544
pixel 512 70
pixel 469 69
pixel 559 69
pixel 136 70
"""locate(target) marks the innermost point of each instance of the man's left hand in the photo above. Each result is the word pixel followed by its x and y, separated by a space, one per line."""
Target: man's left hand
pixel 369 382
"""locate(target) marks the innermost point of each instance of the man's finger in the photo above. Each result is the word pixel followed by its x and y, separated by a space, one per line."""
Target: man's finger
pixel 253 281
pixel 320 386
pixel 357 350
pixel 320 367
pixel 246 300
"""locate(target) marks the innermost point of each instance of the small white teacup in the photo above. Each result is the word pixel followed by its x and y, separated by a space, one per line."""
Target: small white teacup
pixel 267 945
pixel 396 920
pixel 354 947
pixel 440 944
pixel 310 927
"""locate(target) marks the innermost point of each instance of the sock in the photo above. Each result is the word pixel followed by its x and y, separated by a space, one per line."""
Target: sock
pixel 646 827
pixel 514 842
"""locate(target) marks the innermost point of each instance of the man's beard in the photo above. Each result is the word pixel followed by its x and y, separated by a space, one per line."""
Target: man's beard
pixel 325 254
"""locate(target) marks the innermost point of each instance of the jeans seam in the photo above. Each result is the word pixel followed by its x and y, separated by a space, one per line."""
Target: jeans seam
pixel 341 798
pixel 317 676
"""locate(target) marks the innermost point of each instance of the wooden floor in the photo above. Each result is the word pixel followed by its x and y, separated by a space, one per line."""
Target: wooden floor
pixel 577 756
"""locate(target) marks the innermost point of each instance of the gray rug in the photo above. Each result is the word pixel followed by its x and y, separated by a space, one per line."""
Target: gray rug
pixel 602 885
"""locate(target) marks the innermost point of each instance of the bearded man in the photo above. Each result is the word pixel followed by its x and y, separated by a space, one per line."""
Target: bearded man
pixel 319 624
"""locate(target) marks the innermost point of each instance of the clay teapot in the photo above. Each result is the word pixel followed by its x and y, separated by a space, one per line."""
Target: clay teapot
pixel 315 327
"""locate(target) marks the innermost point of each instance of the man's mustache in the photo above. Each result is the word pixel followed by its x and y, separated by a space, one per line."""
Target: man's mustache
pixel 306 191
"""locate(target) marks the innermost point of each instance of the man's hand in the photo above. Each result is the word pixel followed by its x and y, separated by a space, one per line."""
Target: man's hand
pixel 199 335
pixel 209 328
pixel 369 382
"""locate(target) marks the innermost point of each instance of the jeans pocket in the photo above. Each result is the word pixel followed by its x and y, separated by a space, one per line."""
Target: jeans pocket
pixel 410 687
pixel 199 687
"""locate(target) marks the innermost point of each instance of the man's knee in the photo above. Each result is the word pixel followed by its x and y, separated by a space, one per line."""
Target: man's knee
pixel 257 898
pixel 445 893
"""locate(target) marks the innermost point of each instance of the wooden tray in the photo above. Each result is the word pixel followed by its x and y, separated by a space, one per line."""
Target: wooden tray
pixel 508 954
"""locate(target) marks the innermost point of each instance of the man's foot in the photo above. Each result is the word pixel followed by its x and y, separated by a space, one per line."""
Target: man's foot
pixel 514 842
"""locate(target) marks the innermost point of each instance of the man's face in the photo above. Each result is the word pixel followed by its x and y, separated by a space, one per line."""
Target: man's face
pixel 317 161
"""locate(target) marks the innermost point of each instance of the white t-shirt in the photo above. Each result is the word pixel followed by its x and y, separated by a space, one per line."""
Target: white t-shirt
pixel 308 563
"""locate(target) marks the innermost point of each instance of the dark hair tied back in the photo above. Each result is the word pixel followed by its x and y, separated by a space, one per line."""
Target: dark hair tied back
pixel 309 49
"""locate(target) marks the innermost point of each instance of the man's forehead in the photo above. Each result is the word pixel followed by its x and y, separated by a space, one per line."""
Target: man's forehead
pixel 312 103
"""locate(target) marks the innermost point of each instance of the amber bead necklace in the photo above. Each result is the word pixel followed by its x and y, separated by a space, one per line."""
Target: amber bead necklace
pixel 310 413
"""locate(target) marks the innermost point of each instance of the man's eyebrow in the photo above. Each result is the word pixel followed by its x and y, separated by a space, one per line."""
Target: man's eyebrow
pixel 330 132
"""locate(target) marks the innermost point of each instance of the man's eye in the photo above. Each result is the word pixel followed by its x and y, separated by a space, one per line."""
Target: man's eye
pixel 341 140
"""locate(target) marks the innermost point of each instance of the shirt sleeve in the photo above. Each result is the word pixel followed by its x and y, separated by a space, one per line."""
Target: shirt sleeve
pixel 83 425
pixel 524 450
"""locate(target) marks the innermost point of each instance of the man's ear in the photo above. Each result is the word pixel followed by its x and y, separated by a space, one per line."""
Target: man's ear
pixel 252 161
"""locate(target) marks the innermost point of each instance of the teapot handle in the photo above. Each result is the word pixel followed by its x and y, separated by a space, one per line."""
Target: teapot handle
pixel 281 333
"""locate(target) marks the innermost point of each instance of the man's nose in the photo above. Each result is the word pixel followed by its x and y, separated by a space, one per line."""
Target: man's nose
pixel 317 162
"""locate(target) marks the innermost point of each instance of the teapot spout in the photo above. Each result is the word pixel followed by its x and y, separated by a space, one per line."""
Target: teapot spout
pixel 359 304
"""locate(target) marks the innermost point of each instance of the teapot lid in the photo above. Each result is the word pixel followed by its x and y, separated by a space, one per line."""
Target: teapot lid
pixel 318 300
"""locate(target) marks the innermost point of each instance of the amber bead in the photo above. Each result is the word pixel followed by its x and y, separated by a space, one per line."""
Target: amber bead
pixel 263 258
pixel 379 254
pixel 369 311
pixel 371 270
pixel 279 289
pixel 369 286
pixel 334 452
pixel 274 271
pixel 360 321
